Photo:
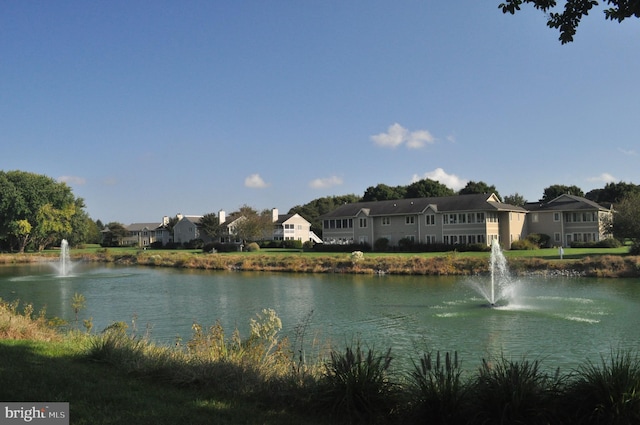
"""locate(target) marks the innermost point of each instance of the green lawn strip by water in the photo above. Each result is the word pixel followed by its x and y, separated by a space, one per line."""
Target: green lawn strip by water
pixel 100 394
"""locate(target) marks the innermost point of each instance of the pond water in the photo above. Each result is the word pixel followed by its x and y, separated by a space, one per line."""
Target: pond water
pixel 561 321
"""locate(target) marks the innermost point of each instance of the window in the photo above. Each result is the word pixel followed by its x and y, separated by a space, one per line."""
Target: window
pixel 386 221
pixel 363 222
pixel 445 219
pixel 462 218
pixel 453 218
pixel 431 219
pixel 472 218
pixel 556 216
pixel 429 239
pixel 480 217
pixel 534 217
pixel 409 219
pixel 556 237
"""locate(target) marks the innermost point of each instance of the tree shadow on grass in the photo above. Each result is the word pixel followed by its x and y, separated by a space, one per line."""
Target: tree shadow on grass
pixel 100 394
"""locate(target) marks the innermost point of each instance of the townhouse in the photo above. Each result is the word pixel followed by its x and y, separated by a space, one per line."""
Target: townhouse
pixel 463 219
pixel 568 218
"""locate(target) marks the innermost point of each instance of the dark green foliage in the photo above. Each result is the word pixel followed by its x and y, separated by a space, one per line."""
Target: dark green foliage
pixel 381 245
pixel 356 385
pixel 427 188
pixel 568 20
pixel 605 243
pixel 508 392
pixel 478 187
pixel 382 192
pixel 523 245
pixel 608 393
pixel 540 240
pixel 553 191
pixel 440 393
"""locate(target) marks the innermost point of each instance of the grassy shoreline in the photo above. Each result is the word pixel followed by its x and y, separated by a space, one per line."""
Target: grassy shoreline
pixel 610 263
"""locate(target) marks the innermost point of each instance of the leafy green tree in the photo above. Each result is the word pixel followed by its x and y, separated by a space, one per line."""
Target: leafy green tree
pixel 113 234
pixel 612 192
pixel 427 188
pixel 515 199
pixel 382 192
pixel 252 225
pixel 45 204
pixel 210 224
pixel 553 191
pixel 625 220
pixel 478 187
pixel 568 20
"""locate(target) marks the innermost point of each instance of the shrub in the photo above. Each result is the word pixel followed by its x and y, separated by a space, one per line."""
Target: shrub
pixel 523 244
pixel 508 392
pixel 440 392
pixel 608 393
pixel 252 247
pixel 540 240
pixel 381 245
pixel 356 385
pixel 292 244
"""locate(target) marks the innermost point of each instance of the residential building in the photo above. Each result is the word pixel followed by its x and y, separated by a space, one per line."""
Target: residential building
pixel 459 219
pixel 187 229
pixel 292 227
pixel 568 218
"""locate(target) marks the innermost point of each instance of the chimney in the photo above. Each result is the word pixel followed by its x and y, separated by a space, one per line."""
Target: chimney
pixel 222 216
pixel 179 216
pixel 274 215
pixel 165 220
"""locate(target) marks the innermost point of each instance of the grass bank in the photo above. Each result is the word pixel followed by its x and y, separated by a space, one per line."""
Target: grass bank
pixel 114 377
pixel 604 262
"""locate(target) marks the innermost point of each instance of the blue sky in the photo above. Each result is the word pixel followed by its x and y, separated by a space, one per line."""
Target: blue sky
pixel 152 108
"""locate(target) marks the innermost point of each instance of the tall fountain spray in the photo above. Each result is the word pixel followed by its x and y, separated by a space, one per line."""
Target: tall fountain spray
pixel 500 277
pixel 64 267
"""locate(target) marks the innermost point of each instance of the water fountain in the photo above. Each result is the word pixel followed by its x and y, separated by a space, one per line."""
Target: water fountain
pixel 500 284
pixel 64 264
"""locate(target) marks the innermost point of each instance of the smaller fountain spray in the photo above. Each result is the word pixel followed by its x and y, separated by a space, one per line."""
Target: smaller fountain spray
pixel 64 266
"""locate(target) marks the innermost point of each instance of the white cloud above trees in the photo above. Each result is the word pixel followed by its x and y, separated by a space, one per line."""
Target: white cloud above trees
pixel 326 182
pixel 254 181
pixel 450 180
pixel 397 135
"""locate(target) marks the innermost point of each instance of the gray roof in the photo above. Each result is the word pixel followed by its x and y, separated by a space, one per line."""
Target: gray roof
pixel 136 227
pixel 473 202
pixel 566 203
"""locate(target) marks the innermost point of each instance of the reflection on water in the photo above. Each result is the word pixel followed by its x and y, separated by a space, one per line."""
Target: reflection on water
pixel 561 321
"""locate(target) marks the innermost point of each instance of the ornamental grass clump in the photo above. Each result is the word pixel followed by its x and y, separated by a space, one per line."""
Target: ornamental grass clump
pixel 514 392
pixel 606 393
pixel 440 392
pixel 356 387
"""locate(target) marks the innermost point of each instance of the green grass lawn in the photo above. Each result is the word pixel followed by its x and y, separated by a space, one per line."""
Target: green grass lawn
pixel 546 253
pixel 101 394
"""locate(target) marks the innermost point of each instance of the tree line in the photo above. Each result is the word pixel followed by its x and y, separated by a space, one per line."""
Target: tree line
pixel 37 212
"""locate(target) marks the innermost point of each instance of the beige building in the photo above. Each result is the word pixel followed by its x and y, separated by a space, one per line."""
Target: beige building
pixel 450 220
pixel 568 219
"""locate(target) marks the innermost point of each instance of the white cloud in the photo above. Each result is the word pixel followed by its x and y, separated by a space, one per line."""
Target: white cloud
pixel 325 182
pixel 419 138
pixel 254 181
pixel 72 180
pixel 396 135
pixel 628 152
pixel 450 180
pixel 604 178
